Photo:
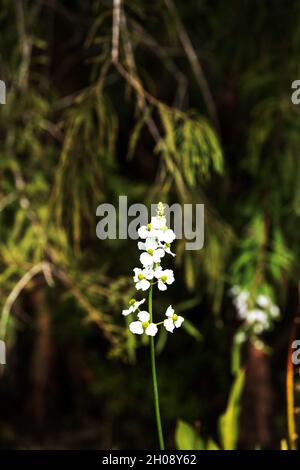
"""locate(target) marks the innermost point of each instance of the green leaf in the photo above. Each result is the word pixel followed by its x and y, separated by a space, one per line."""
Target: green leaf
pixel 187 438
pixel 192 330
pixel 228 423
pixel 212 445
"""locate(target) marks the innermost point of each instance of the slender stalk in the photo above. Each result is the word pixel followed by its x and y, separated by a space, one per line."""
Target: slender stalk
pixel 154 379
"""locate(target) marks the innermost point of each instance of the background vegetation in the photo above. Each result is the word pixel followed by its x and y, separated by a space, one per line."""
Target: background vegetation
pixel 162 100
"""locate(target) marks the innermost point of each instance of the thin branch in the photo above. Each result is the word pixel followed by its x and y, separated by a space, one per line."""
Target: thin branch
pixel 93 313
pixel 49 270
pixel 15 293
pixel 116 31
pixel 144 97
pixel 165 58
pixel 195 64
pixel 25 45
pixel 7 200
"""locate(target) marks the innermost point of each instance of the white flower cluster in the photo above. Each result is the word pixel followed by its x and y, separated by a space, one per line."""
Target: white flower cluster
pixel 157 239
pixel 261 316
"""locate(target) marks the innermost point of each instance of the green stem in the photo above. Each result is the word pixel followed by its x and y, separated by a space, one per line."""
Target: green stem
pixel 154 379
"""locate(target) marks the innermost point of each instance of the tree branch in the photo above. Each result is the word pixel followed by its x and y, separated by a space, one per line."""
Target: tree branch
pixel 195 64
pixel 116 31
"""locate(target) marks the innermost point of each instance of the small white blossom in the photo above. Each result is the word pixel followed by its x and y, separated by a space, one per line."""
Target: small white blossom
pixel 173 320
pixel 133 306
pixel 156 242
pixel 274 311
pixel 260 317
pixel 241 303
pixel 263 301
pixel 142 278
pixel 167 249
pixel 143 325
pixel 146 231
pixel 153 253
pixel 168 236
pixel 234 291
pixel 240 337
pixel 149 244
pixel 158 222
pixel 164 276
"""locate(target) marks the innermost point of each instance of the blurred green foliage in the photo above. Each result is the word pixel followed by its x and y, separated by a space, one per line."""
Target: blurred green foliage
pixel 196 109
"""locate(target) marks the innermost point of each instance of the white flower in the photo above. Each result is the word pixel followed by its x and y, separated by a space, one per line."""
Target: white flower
pixel 258 328
pixel 158 222
pixel 167 249
pixel 274 311
pixel 240 337
pixel 168 236
pixel 142 277
pixel 146 231
pixel 258 316
pixel 234 291
pixel 149 244
pixel 173 320
pixel 242 297
pixel 133 306
pixel 143 325
pixel 156 239
pixel 263 301
pixel 153 253
pixel 241 303
pixel 164 276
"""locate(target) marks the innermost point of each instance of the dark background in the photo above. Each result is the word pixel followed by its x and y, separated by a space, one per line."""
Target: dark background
pixel 77 131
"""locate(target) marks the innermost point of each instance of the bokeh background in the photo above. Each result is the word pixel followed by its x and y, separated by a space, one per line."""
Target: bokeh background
pixel 186 102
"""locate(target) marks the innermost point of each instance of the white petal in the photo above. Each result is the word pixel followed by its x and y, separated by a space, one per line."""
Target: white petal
pixel 179 321
pixel 146 259
pixel 145 284
pixel 142 285
pixel 258 328
pixel 137 304
pixel 151 244
pixel 161 285
pixel 256 315
pixel 143 231
pixel 126 312
pixel 141 246
pixel 263 301
pixel 167 250
pixel 144 316
pixel 169 236
pixel 151 330
pixel 160 235
pixel 158 272
pixel 243 296
pixel 137 271
pixel 170 276
pixel 148 273
pixel 136 328
pixel 274 310
pixel 169 311
pixel 158 222
pixel 169 325
pixel 158 254
pixel 234 291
